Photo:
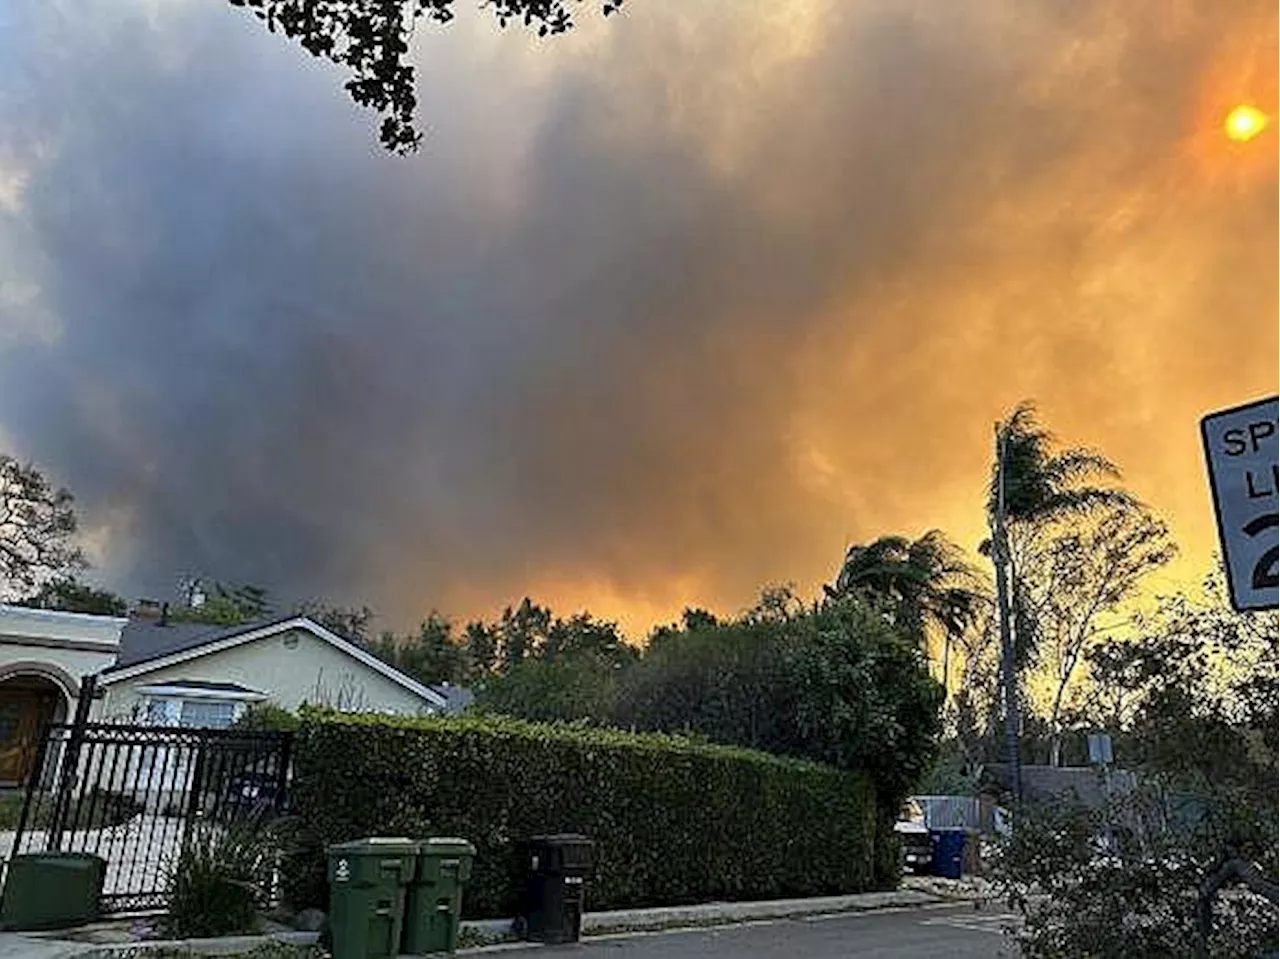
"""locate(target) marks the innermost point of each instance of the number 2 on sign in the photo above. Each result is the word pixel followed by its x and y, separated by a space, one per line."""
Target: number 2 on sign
pixel 1265 573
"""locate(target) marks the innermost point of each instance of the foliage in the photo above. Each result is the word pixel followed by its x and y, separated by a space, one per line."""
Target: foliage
pixel 1078 579
pixel 68 594
pixel 222 878
pixel 268 717
pixel 433 656
pixel 554 668
pixel 1042 486
pixel 1135 894
pixel 953 772
pixel 1043 483
pixel 226 605
pixel 673 821
pixel 1192 698
pixel 569 688
pixel 36 526
pixel 351 622
pixel 834 683
pixel 529 663
pixel 372 41
pixel 928 583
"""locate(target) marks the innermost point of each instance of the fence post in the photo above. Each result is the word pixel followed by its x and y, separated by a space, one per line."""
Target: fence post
pixel 33 787
pixel 196 794
pixel 283 758
pixel 71 761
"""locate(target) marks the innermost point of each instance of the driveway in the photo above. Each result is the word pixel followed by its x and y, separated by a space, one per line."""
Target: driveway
pixel 138 852
pixel 959 931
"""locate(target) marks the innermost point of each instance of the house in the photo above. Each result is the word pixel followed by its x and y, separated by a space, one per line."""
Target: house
pixel 157 672
pixel 43 655
pixel 193 674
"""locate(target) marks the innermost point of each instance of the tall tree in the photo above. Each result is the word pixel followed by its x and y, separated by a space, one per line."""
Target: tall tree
pixel 1031 485
pixel 370 38
pixel 226 605
pixel 37 524
pixel 1079 583
pixel 929 584
pixel 434 655
pixel 70 595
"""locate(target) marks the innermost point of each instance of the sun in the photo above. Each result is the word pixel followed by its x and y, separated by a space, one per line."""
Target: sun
pixel 1245 122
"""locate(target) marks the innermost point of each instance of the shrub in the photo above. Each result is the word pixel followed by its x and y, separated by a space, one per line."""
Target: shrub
pixel 267 717
pixel 1124 880
pixel 834 683
pixel 221 878
pixel 673 821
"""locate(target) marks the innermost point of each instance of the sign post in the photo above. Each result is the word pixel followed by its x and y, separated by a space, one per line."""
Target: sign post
pixel 1240 446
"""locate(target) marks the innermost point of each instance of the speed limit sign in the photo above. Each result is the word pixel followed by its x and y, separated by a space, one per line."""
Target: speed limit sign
pixel 1240 447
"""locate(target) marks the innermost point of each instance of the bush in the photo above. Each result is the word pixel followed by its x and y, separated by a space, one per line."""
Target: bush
pixel 1124 880
pixel 834 683
pixel 222 878
pixel 673 821
pixel 267 717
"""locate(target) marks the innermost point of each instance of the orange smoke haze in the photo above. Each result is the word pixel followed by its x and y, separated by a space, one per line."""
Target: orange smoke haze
pixel 673 308
pixel 1071 226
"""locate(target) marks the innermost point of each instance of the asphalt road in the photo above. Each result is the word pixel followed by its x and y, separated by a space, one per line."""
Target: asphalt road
pixel 958 931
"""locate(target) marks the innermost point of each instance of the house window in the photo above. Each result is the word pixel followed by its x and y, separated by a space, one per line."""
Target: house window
pixel 208 713
pixel 192 713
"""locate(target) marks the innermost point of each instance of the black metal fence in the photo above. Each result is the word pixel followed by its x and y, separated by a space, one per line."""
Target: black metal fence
pixel 133 795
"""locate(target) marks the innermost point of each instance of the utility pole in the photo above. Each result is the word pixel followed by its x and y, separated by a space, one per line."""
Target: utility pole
pixel 1008 665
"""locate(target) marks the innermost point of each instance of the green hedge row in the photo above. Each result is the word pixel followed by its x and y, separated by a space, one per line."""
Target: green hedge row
pixel 673 821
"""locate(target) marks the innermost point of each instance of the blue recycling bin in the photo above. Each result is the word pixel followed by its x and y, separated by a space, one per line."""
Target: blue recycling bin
pixel 948 852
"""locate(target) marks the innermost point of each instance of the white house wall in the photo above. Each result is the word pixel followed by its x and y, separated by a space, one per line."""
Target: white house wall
pixel 312 671
pixel 74 663
pixel 62 647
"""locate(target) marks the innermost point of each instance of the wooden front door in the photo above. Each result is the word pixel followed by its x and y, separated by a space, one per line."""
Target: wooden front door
pixel 24 710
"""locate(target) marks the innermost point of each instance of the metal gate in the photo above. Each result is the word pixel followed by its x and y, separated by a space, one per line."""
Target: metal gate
pixel 132 794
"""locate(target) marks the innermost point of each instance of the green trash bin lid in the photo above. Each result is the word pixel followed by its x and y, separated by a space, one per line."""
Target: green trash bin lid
pixel 445 846
pixel 376 846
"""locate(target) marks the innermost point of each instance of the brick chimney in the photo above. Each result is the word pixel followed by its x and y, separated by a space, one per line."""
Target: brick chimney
pixel 147 609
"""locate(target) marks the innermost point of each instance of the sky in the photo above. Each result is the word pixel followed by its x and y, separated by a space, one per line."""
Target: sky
pixel 666 310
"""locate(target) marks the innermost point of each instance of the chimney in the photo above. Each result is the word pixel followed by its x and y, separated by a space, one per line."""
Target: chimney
pixel 147 609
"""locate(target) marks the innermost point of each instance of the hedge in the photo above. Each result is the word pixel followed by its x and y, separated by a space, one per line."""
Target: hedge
pixel 674 821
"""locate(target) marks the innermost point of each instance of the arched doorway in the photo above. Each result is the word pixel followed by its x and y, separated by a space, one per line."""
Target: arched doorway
pixel 28 700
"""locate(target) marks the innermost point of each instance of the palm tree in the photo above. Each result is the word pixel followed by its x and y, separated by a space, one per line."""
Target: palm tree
pixel 929 584
pixel 1031 486
pixel 1038 486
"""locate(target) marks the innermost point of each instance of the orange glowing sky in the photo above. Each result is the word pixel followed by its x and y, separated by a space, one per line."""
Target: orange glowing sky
pixel 670 309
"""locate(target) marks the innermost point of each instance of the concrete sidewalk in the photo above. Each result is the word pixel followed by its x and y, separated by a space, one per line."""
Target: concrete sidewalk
pixel 14 945
pixel 718 913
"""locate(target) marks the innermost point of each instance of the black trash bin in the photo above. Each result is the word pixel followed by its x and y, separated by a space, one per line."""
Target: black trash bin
pixel 557 870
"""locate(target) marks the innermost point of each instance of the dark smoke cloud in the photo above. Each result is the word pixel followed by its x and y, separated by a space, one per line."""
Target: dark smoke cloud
pixel 667 310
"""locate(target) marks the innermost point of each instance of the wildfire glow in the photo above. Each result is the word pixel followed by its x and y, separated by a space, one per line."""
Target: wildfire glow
pixel 1245 122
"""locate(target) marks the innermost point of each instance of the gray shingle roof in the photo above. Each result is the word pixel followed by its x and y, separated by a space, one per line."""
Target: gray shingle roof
pixel 145 639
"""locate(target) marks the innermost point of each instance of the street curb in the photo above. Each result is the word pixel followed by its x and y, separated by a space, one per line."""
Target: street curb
pixel 709 914
pixel 501 932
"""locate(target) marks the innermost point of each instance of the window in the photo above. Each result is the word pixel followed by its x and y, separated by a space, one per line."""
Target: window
pixel 162 712
pixel 192 713
pixel 208 713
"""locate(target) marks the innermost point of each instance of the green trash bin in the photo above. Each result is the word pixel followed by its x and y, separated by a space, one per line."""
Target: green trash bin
pixel 433 904
pixel 52 890
pixel 367 879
